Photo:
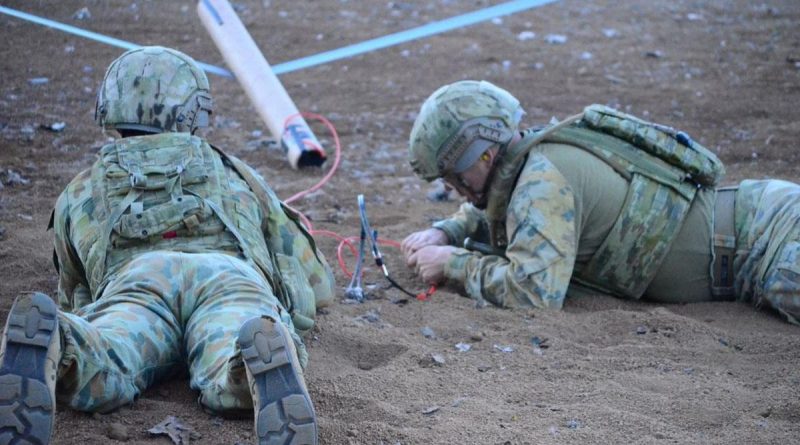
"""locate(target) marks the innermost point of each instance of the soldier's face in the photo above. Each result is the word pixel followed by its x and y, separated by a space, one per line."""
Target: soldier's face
pixel 471 183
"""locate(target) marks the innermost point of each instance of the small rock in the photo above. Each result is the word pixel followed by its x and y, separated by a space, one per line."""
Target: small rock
pixel 463 347
pixel 2 233
pixel 526 35
pixel 117 431
pixel 539 342
pixel 38 80
pixel 656 54
pixel 497 21
pixel 438 360
pixel 57 127
pixel 476 337
pixel 372 316
pixel 573 424
pixel 586 55
pixel 505 349
pixel 430 410
pixel 688 371
pixel 352 433
pixel 610 32
pixel 555 39
pixel 13 178
pixel 439 192
pixel 694 17
pixel 82 14
pixel 641 330
pixel 484 368
pixel 427 332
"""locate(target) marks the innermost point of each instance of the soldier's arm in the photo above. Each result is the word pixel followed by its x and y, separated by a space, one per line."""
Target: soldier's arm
pixel 466 222
pixel 540 256
pixel 73 287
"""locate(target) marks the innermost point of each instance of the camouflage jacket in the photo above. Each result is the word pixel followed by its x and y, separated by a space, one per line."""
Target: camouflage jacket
pixel 96 233
pixel 541 246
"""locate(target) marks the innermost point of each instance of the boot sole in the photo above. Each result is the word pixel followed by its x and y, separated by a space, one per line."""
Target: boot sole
pixel 284 415
pixel 27 408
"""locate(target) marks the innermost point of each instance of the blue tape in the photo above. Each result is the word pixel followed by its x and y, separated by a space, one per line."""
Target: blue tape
pixel 430 29
pixel 397 38
pixel 97 37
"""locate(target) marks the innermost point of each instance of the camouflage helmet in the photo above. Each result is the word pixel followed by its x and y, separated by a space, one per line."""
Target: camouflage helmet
pixel 154 89
pixel 459 122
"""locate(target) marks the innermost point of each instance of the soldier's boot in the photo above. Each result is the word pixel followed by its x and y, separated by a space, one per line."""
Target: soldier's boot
pixel 31 351
pixel 284 414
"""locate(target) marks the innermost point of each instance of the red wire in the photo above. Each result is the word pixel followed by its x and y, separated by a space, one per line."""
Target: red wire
pixel 304 219
pixel 336 159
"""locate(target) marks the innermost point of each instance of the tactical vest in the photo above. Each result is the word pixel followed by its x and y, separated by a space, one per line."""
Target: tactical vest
pixel 170 192
pixel 664 169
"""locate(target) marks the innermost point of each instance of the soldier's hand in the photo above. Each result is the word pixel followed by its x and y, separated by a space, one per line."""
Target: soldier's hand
pixel 429 262
pixel 423 238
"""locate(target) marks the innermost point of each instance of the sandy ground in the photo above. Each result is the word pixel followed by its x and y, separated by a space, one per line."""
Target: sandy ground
pixel 726 71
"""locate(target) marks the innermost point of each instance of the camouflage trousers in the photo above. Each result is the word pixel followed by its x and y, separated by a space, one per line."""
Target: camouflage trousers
pixel 768 245
pixel 162 313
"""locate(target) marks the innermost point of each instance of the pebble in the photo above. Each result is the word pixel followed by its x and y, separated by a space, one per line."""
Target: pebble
pixel 463 347
pixel 438 359
pixel 427 332
pixel 117 431
pixel 573 424
pixel 657 54
pixel 555 39
pixel 57 126
pixel 438 193
pixel 539 342
pixel 641 330
pixel 476 337
pixel 610 32
pixel 38 80
pixel 503 348
pixel 526 35
pixel 371 316
pixel 82 14
pixel 430 410
pixel 13 178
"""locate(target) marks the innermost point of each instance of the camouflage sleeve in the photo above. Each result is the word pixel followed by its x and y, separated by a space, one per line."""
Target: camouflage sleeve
pixel 541 250
pixel 287 236
pixel 465 222
pixel 73 287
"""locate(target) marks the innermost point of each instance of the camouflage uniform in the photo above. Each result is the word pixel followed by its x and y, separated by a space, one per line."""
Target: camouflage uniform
pixel 767 261
pixel 556 232
pixel 174 297
pixel 602 202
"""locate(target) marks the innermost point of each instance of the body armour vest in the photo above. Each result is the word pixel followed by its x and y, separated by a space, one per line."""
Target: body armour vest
pixel 169 192
pixel 664 169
